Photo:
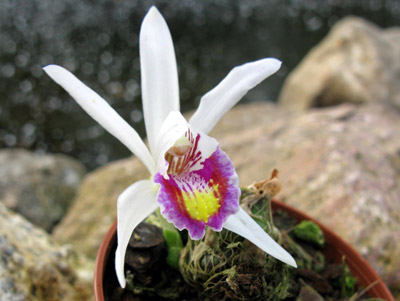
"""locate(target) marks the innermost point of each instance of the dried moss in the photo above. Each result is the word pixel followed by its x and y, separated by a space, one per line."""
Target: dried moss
pixel 225 267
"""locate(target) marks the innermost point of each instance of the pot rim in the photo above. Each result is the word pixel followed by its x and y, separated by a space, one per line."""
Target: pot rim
pixel 101 261
pixel 358 266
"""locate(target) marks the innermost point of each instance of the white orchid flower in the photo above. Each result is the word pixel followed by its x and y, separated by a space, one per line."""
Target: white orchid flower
pixel 192 180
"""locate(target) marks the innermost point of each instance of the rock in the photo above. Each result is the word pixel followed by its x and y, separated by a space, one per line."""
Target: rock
pixel 33 267
pixel 94 208
pixel 357 62
pixel 40 187
pixel 307 293
pixel 339 164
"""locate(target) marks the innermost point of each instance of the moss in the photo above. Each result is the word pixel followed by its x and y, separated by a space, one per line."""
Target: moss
pixel 348 283
pixel 225 267
pixel 310 232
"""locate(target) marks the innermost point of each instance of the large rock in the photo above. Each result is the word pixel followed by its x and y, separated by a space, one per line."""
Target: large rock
pixel 357 62
pixel 40 187
pixel 340 165
pixel 33 267
pixel 94 208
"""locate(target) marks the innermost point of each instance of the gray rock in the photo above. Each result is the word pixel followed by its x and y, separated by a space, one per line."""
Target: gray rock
pixel 33 267
pixel 40 187
pixel 357 62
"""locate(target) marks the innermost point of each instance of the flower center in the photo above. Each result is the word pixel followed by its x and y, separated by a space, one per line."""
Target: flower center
pixel 183 154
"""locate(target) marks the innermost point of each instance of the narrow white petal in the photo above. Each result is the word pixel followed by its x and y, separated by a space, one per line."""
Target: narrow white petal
pixel 241 223
pixel 160 90
pixel 137 202
pixel 102 112
pixel 233 87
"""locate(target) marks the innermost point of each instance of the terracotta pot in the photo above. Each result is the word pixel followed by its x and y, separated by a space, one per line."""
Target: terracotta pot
pixel 336 248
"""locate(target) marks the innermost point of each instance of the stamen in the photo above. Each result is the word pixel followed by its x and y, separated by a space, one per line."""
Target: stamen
pixel 181 147
pixel 183 154
pixel 179 151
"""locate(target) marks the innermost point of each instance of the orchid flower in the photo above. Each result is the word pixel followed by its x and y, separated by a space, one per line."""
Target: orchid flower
pixel 192 180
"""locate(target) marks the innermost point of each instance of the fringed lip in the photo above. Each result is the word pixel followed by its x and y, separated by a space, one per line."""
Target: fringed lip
pixel 199 198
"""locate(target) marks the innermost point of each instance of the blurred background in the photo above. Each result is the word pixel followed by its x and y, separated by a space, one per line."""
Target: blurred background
pixel 98 42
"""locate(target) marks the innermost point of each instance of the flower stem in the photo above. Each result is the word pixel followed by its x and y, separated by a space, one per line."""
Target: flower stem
pixel 173 240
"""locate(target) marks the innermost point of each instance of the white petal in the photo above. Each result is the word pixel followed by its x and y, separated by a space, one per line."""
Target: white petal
pixel 241 223
pixel 160 90
pixel 233 87
pixel 137 202
pixel 102 112
pixel 174 127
